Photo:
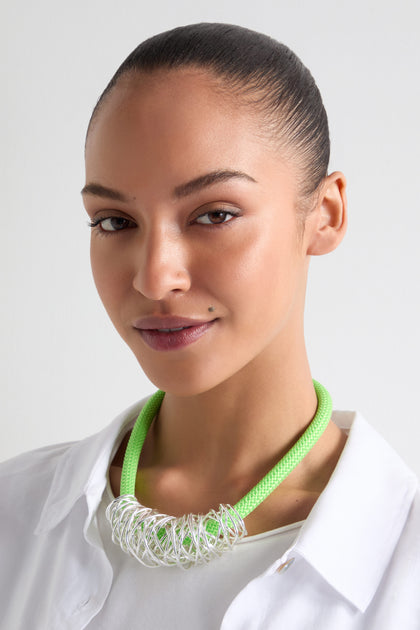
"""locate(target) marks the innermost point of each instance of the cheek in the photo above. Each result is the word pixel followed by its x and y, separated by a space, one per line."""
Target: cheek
pixel 110 274
pixel 261 271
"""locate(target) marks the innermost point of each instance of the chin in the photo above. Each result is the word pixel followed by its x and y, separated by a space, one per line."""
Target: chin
pixel 184 388
pixel 183 380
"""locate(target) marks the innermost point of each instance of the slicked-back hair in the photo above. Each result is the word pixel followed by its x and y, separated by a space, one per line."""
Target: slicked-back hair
pixel 266 74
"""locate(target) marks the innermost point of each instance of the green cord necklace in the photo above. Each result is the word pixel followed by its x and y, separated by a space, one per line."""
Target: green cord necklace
pixel 157 539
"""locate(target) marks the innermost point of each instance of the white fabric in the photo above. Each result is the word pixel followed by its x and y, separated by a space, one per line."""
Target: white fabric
pixel 200 596
pixel 356 560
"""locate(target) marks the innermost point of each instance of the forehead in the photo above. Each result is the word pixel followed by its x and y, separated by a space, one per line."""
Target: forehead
pixel 164 126
pixel 172 96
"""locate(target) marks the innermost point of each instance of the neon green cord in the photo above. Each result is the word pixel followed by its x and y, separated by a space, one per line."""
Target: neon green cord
pixel 136 441
pixel 264 487
pixel 293 457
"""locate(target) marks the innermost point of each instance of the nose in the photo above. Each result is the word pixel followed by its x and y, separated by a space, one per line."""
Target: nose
pixel 161 266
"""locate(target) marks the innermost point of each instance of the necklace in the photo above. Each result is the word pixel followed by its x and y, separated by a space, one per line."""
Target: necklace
pixel 157 539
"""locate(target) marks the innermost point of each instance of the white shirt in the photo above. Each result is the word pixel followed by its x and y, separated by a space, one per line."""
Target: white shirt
pixel 197 598
pixel 354 565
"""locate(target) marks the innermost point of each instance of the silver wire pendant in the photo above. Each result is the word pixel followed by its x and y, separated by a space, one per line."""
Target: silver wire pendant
pixel 156 539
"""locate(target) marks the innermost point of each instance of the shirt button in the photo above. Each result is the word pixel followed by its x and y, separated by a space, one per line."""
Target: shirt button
pixel 283 567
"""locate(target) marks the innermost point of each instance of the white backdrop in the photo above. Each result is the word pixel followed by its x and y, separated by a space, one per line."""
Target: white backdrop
pixel 64 371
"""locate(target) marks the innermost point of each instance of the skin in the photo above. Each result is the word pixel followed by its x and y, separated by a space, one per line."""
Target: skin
pixel 240 396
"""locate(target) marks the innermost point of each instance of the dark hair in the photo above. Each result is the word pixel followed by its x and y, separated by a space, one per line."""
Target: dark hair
pixel 256 67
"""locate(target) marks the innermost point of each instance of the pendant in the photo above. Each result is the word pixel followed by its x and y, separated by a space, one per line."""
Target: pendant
pixel 156 539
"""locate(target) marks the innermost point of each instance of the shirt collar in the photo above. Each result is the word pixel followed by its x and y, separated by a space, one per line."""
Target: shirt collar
pixel 350 534
pixel 82 471
pixel 353 529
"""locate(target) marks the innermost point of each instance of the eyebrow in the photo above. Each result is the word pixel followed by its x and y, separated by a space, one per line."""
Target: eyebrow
pixel 215 177
pixel 183 190
pixel 97 190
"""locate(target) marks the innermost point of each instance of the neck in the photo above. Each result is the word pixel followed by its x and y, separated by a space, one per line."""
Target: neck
pixel 214 447
pixel 245 424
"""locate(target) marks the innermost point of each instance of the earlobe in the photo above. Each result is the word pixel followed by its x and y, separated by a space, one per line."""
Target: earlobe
pixel 329 218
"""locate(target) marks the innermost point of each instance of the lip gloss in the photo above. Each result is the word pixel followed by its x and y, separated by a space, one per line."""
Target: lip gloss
pixel 171 333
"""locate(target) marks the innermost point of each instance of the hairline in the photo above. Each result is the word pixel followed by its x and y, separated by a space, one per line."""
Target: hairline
pixel 234 92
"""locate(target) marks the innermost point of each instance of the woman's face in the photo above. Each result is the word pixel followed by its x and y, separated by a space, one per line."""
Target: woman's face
pixel 195 252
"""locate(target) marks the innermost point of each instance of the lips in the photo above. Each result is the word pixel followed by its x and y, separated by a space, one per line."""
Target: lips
pixel 171 333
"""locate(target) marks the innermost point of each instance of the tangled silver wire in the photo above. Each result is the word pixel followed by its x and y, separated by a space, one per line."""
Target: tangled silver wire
pixel 157 539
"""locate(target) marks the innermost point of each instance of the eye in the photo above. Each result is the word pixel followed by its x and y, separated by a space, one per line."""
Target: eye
pixel 112 224
pixel 215 217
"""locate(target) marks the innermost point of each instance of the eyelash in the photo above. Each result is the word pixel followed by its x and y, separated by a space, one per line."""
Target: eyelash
pixel 97 223
pixel 230 213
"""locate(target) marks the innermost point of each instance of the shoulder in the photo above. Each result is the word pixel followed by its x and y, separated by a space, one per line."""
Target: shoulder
pixel 43 484
pixel 25 480
pixel 36 461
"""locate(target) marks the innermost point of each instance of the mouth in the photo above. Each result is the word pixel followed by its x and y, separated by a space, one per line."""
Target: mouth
pixel 171 333
pixel 170 330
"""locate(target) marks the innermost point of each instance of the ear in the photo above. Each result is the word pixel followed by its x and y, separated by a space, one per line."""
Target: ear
pixel 328 220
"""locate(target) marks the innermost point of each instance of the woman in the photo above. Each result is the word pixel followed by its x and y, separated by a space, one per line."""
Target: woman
pixel 207 191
